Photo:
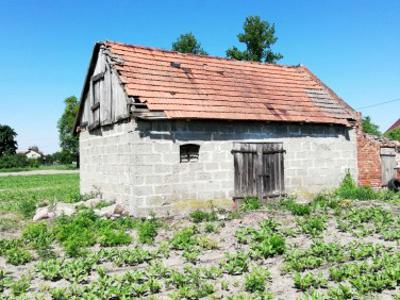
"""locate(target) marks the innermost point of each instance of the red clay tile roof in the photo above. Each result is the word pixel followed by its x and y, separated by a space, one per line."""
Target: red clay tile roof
pixel 186 86
pixel 394 126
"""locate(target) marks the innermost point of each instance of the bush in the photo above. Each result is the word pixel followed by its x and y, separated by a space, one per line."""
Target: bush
pixel 17 161
pixel 76 232
pixel 37 235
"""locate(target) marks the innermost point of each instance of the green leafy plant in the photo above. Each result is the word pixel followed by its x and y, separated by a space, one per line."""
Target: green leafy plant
pixel 17 256
pixel 313 225
pixel 235 263
pixel 309 280
pixel 110 237
pixel 20 286
pixel 38 235
pixel 147 231
pixel 348 189
pixel 256 279
pixel 297 209
pixel 50 269
pixel 5 280
pixel 199 216
pixel 126 257
pixel 184 238
pixel 340 292
pixel 269 246
pixel 250 203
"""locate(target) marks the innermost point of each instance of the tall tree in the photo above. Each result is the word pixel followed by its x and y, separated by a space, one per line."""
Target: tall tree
pixel 394 134
pixel 187 43
pixel 69 142
pixel 258 36
pixel 8 144
pixel 369 127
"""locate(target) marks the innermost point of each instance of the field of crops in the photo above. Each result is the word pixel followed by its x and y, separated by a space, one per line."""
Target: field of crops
pixel 334 247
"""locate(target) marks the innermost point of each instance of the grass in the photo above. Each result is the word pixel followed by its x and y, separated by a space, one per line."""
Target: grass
pixel 43 167
pixel 23 193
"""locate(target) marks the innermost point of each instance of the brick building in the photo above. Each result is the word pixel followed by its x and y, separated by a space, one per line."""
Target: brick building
pixel 164 131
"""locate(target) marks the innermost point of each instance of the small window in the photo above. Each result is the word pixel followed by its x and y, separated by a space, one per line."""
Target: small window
pixel 189 152
pixel 96 91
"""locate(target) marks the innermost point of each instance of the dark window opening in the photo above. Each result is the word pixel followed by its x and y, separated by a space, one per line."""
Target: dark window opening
pixel 189 152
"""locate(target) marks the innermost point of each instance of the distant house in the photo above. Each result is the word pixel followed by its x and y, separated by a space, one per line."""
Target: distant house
pixel 33 153
pixel 165 131
pixel 394 126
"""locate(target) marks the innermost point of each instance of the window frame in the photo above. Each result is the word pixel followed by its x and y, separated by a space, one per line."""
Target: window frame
pixel 189 153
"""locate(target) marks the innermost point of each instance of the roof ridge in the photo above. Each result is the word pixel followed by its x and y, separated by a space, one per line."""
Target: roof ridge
pixel 199 55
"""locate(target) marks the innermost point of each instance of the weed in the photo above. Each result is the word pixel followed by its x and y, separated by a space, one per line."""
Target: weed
pixel 38 235
pixel 76 232
pixel 250 203
pixel 348 189
pixel 147 231
pixel 184 238
pixel 207 243
pixel 4 280
pixel 199 216
pixel 111 237
pixel 297 209
pixel 211 228
pixel 27 206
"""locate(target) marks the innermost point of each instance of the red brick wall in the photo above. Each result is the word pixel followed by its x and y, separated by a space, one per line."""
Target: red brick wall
pixel 369 161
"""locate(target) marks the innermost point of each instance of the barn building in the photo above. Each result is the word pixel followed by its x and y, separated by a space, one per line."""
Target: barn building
pixel 165 132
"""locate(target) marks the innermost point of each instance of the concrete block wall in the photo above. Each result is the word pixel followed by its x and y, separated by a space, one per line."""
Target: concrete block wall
pixel 106 161
pixel 145 158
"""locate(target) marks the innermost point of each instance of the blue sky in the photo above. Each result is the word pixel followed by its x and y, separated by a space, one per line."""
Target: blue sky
pixel 353 46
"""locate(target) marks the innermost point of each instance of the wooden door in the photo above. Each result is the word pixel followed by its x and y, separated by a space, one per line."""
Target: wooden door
pixel 388 164
pixel 259 170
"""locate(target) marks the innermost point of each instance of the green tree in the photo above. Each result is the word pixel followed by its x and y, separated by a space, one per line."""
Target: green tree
pixel 393 134
pixel 8 144
pixel 369 127
pixel 187 43
pixel 258 36
pixel 69 142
